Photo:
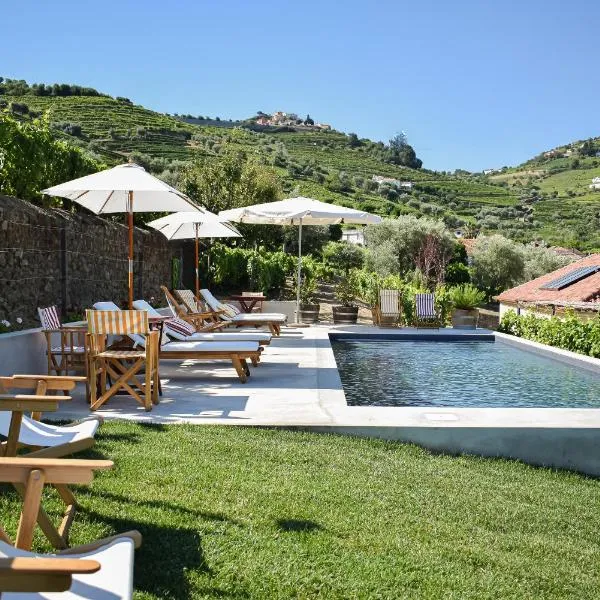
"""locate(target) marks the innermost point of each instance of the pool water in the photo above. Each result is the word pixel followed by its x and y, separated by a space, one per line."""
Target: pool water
pixel 463 373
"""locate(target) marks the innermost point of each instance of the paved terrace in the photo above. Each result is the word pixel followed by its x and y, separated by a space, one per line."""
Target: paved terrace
pixel 297 385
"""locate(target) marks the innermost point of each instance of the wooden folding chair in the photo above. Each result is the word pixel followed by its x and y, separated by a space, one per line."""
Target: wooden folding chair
pixel 425 313
pixel 122 366
pixel 41 440
pixel 389 308
pixel 66 354
pixel 101 569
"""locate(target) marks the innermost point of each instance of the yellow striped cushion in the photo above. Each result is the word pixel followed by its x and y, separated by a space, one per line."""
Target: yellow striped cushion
pixel 117 323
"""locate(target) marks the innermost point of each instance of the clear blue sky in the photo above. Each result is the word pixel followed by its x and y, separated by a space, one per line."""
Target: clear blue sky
pixel 473 83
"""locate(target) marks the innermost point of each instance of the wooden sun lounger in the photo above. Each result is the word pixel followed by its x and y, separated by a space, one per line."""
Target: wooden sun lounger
pixel 273 321
pixel 202 321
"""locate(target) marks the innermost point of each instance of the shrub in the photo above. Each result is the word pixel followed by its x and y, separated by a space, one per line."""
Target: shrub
pixel 347 289
pixel 569 333
pixel 343 256
pixel 466 296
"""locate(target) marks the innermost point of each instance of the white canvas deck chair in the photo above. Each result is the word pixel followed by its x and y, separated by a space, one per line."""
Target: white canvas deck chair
pixel 232 317
pixel 389 309
pixel 41 440
pixel 425 313
pixel 102 570
pixel 135 370
pixel 182 331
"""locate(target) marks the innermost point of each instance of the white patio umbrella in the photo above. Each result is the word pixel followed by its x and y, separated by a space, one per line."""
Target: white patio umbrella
pixel 194 225
pixel 123 189
pixel 298 211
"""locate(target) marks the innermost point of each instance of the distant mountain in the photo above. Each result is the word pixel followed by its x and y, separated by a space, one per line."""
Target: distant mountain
pixel 539 199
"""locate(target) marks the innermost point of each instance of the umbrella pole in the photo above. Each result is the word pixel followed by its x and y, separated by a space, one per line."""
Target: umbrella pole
pixel 130 262
pixel 197 270
pixel 299 273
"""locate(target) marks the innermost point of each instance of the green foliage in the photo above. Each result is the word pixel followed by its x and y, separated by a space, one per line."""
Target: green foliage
pixel 498 264
pixel 31 159
pixel 399 246
pixel 466 296
pixel 229 182
pixel 570 333
pixel 175 273
pixel 239 268
pixel 343 256
pixel 539 261
pixel 347 289
pixel 457 273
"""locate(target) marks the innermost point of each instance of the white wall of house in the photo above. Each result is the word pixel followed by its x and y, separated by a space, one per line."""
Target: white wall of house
pixel 504 308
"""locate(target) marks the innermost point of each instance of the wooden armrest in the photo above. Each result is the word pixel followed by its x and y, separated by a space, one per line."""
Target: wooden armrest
pixel 201 315
pixel 51 382
pixel 55 470
pixel 25 574
pixel 30 403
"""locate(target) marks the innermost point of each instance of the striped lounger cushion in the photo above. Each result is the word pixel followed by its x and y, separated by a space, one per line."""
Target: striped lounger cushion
pixel 179 328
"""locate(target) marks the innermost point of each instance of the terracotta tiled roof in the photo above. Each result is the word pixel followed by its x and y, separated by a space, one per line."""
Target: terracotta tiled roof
pixel 584 290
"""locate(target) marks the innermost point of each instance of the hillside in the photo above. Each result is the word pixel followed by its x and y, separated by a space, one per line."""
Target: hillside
pixel 329 165
pixel 558 183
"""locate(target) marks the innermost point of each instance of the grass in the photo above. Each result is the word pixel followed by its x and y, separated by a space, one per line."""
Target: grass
pixel 249 513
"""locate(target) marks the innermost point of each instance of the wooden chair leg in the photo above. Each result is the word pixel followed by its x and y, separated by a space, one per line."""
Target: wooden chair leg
pixel 239 368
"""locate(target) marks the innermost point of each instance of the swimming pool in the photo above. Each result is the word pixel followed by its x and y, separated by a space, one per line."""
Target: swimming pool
pixel 459 374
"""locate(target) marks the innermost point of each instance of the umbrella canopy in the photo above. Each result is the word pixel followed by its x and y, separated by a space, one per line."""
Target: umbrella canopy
pixel 298 211
pixel 126 188
pixel 295 210
pixel 194 225
pixel 109 191
pixel 186 225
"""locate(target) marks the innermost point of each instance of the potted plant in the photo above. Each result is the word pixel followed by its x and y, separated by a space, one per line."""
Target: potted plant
pixel 347 311
pixel 309 310
pixel 465 300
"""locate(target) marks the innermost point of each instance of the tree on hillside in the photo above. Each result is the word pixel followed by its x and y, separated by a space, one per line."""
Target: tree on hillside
pixel 308 120
pixel 400 152
pixel 353 140
pixel 229 181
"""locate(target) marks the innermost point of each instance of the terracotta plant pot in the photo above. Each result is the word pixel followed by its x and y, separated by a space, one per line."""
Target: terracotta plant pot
pixel 465 319
pixel 345 315
pixel 309 313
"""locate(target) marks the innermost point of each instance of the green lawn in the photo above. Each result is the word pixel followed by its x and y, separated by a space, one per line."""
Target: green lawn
pixel 248 513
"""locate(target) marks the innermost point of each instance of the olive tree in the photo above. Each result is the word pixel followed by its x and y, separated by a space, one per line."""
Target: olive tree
pixel 498 263
pixel 399 246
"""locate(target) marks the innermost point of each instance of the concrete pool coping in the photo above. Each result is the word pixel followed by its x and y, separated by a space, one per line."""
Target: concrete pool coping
pixel 298 386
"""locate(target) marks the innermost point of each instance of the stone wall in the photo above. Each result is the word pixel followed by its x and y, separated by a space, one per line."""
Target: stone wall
pixel 50 256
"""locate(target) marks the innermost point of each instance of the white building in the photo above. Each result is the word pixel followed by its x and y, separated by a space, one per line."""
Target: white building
pixel 380 179
pixel 353 236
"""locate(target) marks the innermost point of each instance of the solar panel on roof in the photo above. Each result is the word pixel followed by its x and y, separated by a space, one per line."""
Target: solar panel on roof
pixel 570 278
